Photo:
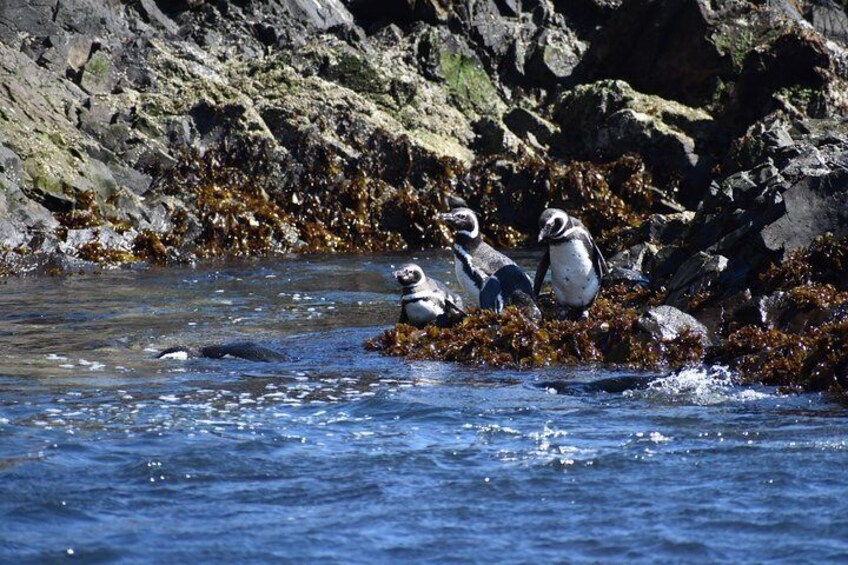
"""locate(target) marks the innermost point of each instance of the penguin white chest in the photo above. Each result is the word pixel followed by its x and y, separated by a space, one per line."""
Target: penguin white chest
pixel 467 282
pixel 424 310
pixel 573 274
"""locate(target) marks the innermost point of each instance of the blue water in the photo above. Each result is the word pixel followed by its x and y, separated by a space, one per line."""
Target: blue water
pixel 344 456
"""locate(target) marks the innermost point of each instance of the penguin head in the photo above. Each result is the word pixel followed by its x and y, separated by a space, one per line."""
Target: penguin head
pixel 552 225
pixel 409 274
pixel 463 221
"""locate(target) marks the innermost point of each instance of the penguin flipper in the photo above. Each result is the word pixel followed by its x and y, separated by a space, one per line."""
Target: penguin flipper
pixel 452 301
pixel 404 319
pixel 490 295
pixel 541 271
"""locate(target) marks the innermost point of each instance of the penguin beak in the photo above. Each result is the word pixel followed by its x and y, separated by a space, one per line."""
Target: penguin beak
pixel 544 233
pixel 397 274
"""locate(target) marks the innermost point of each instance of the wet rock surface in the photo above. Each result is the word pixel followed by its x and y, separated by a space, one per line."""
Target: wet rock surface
pixel 705 144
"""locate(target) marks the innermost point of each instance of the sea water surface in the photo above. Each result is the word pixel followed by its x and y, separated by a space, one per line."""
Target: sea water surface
pixel 343 456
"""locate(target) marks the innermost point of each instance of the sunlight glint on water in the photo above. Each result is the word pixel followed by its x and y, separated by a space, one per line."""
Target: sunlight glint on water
pixel 341 455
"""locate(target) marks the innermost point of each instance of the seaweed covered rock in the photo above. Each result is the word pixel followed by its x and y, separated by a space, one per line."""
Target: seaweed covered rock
pixel 612 334
pixel 794 337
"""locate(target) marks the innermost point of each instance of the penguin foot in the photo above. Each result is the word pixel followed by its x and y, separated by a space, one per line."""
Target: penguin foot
pixel 571 314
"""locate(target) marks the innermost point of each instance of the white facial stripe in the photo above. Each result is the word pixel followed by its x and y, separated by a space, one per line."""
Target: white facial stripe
pixel 558 216
pixel 571 231
pixel 471 234
pixel 460 251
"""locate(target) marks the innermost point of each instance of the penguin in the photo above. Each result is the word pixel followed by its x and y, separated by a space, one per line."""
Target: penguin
pixel 577 265
pixel 476 262
pixel 247 350
pixel 426 299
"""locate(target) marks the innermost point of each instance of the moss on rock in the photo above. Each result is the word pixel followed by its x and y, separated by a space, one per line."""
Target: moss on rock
pixel 468 82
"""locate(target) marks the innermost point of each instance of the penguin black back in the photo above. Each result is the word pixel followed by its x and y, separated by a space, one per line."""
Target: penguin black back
pixel 509 286
pixel 474 259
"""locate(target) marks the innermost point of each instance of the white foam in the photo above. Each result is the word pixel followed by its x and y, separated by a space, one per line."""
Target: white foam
pixel 698 385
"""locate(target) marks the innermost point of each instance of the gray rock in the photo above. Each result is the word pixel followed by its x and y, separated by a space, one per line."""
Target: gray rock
pixel 829 18
pixel 552 57
pixel 99 75
pixel 106 237
pixel 321 14
pixel 666 323
pixel 635 257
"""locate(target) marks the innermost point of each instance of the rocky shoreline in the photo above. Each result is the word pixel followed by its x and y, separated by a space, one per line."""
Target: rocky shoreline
pixel 704 143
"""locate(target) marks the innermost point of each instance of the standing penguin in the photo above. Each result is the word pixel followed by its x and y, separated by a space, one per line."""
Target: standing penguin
pixel 476 262
pixel 577 266
pixel 425 299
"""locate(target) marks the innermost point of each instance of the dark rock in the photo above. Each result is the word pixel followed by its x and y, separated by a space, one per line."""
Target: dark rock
pixel 791 73
pixel 665 262
pixel 814 206
pixel 781 311
pixel 666 229
pixel 666 323
pixel 698 274
pixel 152 14
pixel 370 14
pixel 24 15
pixel 610 119
pixel 493 138
pixel 661 47
pixel 627 276
pixel 791 189
pixel 525 123
pixel 761 311
pixel 634 258
pixel 587 15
